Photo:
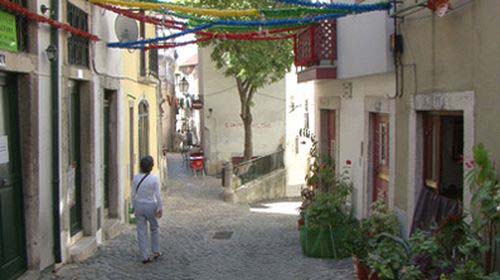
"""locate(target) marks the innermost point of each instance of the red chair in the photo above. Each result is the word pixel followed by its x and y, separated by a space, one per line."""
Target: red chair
pixel 196 162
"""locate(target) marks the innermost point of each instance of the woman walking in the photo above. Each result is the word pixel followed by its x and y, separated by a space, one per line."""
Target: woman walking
pixel 148 206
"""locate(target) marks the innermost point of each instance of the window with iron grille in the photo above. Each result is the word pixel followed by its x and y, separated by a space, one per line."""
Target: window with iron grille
pixel 153 62
pixel 78 47
pixel 22 28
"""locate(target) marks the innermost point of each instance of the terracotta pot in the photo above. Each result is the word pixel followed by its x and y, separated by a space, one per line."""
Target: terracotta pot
pixel 362 271
pixel 301 222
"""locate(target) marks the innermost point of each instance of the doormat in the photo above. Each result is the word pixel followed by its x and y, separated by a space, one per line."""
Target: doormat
pixel 223 235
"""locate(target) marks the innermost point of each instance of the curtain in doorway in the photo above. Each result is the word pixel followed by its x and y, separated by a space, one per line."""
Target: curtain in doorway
pixel 433 208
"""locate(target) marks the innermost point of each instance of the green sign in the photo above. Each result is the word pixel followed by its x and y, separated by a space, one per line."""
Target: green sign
pixel 8 34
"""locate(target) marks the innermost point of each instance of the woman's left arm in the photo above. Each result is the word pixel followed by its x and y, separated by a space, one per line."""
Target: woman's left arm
pixel 159 200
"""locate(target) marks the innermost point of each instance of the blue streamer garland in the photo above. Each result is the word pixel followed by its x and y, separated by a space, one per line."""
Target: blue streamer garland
pixel 156 40
pixel 356 8
pixel 255 23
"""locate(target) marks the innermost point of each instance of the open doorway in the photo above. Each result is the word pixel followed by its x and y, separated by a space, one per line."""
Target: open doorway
pixel 442 184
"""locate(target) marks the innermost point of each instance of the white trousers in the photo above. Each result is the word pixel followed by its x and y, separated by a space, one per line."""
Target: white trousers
pixel 144 213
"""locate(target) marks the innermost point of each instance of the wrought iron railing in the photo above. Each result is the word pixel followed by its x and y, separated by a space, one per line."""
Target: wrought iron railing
pixel 255 168
pixel 317 45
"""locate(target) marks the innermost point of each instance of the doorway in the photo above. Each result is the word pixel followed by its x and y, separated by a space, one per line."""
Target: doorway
pixel 328 133
pixel 380 156
pixel 12 244
pixel 443 152
pixel 75 168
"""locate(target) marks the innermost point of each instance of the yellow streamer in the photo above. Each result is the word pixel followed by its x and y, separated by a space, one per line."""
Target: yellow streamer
pixel 182 9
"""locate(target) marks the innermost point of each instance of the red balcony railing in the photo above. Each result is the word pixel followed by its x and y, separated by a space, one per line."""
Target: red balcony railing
pixel 317 46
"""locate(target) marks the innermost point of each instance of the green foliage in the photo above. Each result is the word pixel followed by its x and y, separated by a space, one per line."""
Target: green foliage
pixel 257 62
pixel 329 209
pixel 485 186
pixel 380 221
pixel 486 189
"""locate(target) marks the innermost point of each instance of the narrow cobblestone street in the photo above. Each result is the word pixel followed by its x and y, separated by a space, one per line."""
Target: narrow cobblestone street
pixel 262 246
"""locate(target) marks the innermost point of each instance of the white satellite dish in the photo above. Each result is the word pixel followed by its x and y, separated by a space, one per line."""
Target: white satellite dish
pixel 126 29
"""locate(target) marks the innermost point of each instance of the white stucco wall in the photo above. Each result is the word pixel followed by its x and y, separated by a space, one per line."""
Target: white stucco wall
pixel 352 121
pixel 46 221
pixel 363 44
pixel 108 64
pixel 297 148
pixel 225 135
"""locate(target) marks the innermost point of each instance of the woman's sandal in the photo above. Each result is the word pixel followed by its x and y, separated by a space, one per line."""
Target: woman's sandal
pixel 157 255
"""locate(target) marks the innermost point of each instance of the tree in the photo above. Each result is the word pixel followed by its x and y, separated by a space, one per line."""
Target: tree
pixel 253 64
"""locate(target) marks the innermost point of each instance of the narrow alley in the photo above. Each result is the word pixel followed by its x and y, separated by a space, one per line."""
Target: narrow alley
pixel 197 242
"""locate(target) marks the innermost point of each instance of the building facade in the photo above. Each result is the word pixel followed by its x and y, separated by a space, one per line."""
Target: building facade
pixel 71 111
pixel 223 128
pixel 448 99
pixel 352 92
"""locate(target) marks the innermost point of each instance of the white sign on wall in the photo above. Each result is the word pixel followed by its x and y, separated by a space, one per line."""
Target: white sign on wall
pixel 4 149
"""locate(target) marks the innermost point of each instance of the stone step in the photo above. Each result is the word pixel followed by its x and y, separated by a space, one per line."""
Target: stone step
pixel 112 228
pixel 83 249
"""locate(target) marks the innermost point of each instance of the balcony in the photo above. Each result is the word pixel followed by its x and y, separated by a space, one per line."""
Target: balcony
pixel 316 52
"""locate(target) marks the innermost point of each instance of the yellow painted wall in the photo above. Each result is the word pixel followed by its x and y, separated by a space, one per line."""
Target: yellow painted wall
pixel 137 89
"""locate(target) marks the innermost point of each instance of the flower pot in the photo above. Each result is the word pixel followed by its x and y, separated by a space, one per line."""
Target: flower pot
pixel 361 269
pixel 301 222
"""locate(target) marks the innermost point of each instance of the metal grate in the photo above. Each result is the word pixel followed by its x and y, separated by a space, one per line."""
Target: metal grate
pixel 253 169
pixel 78 47
pixel 223 235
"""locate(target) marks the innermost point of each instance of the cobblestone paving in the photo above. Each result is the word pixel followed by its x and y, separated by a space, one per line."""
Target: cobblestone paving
pixel 262 246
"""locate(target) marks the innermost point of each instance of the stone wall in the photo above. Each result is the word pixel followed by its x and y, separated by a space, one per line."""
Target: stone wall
pixel 270 186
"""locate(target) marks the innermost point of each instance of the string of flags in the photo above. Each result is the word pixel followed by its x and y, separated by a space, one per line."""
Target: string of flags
pixel 282 22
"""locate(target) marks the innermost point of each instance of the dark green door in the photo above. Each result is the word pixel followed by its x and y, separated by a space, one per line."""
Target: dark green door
pixel 12 251
pixel 74 181
pixel 107 140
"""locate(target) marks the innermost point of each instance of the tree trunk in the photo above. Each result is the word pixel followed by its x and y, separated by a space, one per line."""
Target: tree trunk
pixel 246 92
pixel 247 123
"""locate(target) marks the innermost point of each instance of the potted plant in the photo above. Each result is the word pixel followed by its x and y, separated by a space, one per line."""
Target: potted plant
pixel 380 221
pixel 329 222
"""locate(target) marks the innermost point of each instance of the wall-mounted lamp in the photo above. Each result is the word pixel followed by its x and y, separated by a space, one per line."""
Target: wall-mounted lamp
pixel 51 52
pixel 184 86
pixel 44 9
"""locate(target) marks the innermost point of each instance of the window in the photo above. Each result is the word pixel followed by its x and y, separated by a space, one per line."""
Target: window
pixel 153 62
pixel 78 47
pixel 443 149
pixel 22 28
pixel 383 143
pixel 143 130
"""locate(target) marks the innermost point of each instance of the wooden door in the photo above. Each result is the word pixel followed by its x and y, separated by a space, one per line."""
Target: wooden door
pixel 12 248
pixel 328 133
pixel 380 155
pixel 107 141
pixel 75 169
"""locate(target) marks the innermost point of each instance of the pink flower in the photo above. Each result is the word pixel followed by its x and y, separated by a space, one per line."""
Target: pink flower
pixel 348 162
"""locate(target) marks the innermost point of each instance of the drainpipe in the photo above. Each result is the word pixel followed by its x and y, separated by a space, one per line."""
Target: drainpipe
pixel 54 84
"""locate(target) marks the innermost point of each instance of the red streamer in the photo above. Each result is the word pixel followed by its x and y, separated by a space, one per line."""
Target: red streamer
pixel 206 36
pixel 22 11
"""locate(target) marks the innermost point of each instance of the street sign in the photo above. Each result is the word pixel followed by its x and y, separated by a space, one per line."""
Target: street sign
pixel 197 104
pixel 8 34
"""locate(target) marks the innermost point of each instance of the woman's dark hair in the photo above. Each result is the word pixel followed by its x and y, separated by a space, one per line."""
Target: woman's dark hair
pixel 147 164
